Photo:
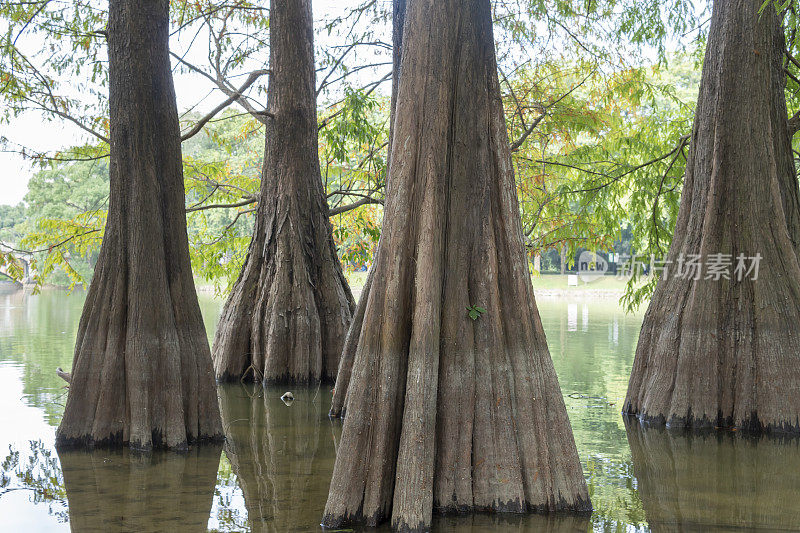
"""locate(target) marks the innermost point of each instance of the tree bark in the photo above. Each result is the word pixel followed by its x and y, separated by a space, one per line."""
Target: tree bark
pixel 443 411
pixel 725 353
pixel 142 370
pixel 288 313
pixel 398 21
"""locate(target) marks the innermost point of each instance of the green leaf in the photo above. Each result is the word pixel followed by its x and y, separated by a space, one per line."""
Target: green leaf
pixel 475 312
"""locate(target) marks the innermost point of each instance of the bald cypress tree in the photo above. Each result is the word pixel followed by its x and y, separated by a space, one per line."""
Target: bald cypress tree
pixel 142 370
pixel 287 315
pixel 725 352
pixel 448 408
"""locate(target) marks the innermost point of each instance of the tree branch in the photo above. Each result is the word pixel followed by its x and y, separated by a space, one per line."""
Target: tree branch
pixel 355 205
pixel 516 144
pixel 229 92
pixel 794 124
pixel 222 206
pixel 231 98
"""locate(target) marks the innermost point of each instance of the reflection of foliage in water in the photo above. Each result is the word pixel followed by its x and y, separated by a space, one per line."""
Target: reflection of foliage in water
pixel 230 516
pixel 38 333
pixel 620 509
pixel 592 345
pixel 39 473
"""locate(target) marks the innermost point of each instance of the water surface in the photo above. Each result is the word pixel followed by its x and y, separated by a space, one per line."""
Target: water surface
pixel 273 472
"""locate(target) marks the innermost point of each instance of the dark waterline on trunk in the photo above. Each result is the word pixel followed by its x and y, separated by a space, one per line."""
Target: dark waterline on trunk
pixel 274 471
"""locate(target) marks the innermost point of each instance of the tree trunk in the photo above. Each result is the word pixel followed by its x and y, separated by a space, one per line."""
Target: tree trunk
pixel 725 353
pixel 443 411
pixel 398 21
pixel 142 370
pixel 288 313
pixel 563 259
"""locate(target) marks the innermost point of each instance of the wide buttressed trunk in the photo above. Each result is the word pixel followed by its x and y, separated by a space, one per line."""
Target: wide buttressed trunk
pixel 142 370
pixel 726 352
pixel 443 411
pixel 288 313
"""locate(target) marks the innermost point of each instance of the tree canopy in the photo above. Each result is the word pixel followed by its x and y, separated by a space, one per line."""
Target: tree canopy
pixel 598 97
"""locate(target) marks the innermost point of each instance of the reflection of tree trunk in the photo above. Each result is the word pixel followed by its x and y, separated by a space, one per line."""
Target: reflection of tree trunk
pixel 482 523
pixel 725 352
pixel 127 491
pixel 724 481
pixel 276 454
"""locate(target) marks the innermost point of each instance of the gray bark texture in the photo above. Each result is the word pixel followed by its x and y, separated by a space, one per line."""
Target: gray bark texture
pixel 727 352
pixel 287 315
pixel 142 370
pixel 441 411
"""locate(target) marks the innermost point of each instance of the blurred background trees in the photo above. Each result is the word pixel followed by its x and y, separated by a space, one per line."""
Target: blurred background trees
pixel 598 96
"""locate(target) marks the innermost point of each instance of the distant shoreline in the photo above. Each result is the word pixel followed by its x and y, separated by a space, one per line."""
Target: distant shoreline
pixel 547 294
pixel 545 287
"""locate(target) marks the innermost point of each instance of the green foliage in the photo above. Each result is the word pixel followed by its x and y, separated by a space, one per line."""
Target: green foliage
pixel 222 167
pixel 67 208
pixel 37 472
pixel 11 220
pixel 591 111
pixel 67 202
pixel 474 312
pixel 353 147
pixel 357 123
pixel 607 33
pixel 11 266
pixel 608 156
pixel 780 5
pixel 356 235
pixel 791 24
pixel 52 62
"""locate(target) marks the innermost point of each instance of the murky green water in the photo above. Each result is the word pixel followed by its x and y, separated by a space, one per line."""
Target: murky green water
pixel 273 472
